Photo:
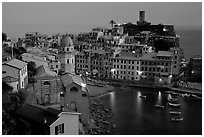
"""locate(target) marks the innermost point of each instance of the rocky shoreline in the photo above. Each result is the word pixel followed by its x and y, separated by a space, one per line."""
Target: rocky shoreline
pixel 101 116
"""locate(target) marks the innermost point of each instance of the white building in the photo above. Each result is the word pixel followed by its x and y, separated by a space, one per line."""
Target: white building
pixel 16 69
pixel 66 124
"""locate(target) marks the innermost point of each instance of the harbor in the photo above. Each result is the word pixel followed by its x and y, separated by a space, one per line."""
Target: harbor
pixel 152 115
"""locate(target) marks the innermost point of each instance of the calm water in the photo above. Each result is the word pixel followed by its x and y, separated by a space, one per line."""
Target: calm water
pixel 190 42
pixel 134 115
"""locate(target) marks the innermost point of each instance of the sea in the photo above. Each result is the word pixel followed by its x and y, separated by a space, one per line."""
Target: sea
pixel 190 41
pixel 134 115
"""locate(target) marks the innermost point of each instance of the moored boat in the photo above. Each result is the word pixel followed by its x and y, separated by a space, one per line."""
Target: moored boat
pixel 176 119
pixel 159 106
pixel 175 112
pixel 143 97
pixel 174 105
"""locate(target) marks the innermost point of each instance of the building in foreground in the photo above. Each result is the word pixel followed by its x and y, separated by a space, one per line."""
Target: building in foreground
pixel 41 120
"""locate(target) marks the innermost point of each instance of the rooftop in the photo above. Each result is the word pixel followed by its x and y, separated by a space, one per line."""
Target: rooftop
pixel 38 114
pixel 45 71
pixel 16 63
pixel 164 53
pixel 68 79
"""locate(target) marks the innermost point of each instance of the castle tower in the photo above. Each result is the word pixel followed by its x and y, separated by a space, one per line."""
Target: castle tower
pixel 67 55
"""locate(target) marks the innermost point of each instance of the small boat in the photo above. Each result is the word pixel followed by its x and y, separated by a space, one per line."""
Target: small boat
pixel 170 99
pixel 186 95
pixel 175 112
pixel 174 105
pixel 159 106
pixel 192 95
pixel 143 97
pixel 176 119
pixel 199 97
pixel 168 92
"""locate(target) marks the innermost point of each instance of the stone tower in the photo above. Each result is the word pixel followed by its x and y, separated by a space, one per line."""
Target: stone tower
pixel 67 55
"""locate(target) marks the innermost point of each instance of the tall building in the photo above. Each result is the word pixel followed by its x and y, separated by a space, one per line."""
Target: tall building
pixel 66 55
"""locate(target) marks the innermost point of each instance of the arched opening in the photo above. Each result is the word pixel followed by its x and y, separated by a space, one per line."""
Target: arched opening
pixel 73 89
pixel 84 95
pixel 46 83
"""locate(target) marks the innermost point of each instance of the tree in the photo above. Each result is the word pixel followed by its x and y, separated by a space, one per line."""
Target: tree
pixel 31 69
pixel 23 95
pixel 4 37
pixel 161 45
pixel 112 22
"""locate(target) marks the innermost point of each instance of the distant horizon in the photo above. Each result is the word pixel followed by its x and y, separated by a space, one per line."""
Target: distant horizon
pixel 185 27
pixel 75 17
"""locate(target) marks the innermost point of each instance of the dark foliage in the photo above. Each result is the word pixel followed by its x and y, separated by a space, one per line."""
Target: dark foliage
pixel 4 37
pixel 161 45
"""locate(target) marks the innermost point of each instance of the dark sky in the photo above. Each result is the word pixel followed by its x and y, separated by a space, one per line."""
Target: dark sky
pixel 49 18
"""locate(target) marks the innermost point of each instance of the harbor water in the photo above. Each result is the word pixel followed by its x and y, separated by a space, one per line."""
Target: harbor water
pixel 135 113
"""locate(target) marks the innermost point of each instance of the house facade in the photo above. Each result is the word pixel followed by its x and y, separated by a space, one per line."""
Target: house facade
pixel 75 96
pixel 16 69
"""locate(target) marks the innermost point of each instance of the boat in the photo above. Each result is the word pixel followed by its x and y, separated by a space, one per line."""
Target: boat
pixel 199 97
pixel 170 99
pixel 174 105
pixel 159 106
pixel 143 97
pixel 168 92
pixel 193 95
pixel 176 119
pixel 175 112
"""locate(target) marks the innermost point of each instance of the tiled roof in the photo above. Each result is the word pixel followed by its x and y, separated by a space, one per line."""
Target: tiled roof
pixel 164 53
pixel 99 51
pixel 16 63
pixel 44 70
pixel 68 79
pixel 148 56
pixel 38 114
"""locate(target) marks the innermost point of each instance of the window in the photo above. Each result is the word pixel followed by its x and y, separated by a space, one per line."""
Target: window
pixel 67 60
pixel 3 72
pixel 59 129
pixel 132 67
pixel 121 66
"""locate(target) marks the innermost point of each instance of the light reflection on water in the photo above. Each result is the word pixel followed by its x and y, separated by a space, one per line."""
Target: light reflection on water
pixel 135 115
pixel 159 98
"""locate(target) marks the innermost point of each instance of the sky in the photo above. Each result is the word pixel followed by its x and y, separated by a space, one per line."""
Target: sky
pixel 66 17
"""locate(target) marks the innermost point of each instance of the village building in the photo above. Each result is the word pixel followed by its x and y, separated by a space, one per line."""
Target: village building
pixel 47 86
pixel 38 59
pixel 41 120
pixel 66 55
pixel 75 97
pixel 16 69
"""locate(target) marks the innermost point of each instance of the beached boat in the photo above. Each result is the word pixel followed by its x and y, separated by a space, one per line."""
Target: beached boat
pixel 177 119
pixel 173 104
pixel 175 112
pixel 159 106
